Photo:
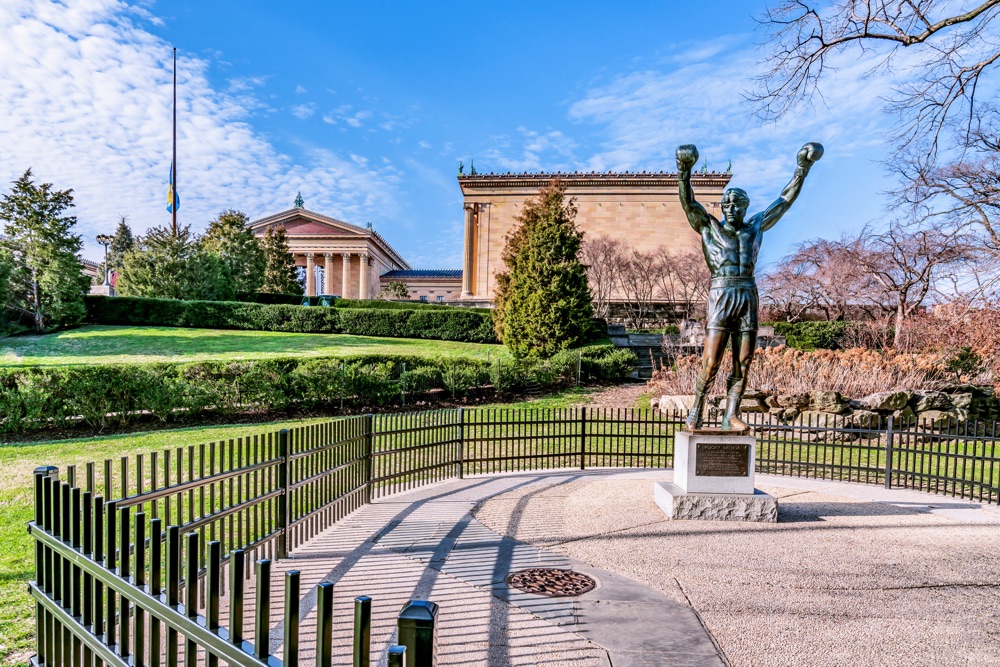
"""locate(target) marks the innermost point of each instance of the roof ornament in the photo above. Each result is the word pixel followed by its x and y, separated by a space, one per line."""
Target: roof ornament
pixel 299 203
pixel 729 167
pixel 461 168
pixel 472 167
pixel 369 225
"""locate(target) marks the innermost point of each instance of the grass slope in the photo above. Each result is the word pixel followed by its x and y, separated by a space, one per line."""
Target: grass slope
pixel 97 344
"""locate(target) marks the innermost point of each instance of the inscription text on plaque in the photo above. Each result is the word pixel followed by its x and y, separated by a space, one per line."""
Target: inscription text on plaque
pixel 721 460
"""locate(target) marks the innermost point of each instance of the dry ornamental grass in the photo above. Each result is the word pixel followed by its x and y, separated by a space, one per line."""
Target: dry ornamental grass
pixel 854 373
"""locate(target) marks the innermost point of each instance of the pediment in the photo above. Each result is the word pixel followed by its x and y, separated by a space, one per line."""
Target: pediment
pixel 300 222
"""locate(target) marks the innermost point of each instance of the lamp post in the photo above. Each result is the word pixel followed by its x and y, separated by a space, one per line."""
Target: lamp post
pixel 105 241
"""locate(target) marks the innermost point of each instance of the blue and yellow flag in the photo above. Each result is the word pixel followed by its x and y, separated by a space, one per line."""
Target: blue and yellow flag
pixel 173 199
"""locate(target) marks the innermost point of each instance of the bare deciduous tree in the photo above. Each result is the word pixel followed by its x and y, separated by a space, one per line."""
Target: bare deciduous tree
pixel 637 286
pixel 604 258
pixel 821 276
pixel 907 264
pixel 682 279
pixel 953 45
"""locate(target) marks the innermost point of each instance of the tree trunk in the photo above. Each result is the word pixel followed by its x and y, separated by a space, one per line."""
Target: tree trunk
pixel 897 334
pixel 39 328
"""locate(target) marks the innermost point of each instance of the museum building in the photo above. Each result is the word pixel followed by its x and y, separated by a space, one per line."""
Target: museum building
pixel 641 209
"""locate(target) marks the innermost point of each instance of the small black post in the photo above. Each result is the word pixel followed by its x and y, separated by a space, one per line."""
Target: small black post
pixel 397 656
pixel 324 625
pixel 583 438
pixel 263 611
pixel 236 576
pixel 283 498
pixel 415 625
pixel 889 436
pixel 362 630
pixel 291 654
pixel 110 563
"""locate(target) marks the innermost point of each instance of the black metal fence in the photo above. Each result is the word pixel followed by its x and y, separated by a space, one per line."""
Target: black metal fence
pixel 133 555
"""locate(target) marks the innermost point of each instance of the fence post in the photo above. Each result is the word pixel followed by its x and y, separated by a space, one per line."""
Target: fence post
pixel 324 625
pixel 283 498
pixel 579 366
pixel 402 383
pixel 396 657
pixel 262 612
pixel 461 442
pixel 369 422
pixel 889 435
pixel 291 643
pixel 583 438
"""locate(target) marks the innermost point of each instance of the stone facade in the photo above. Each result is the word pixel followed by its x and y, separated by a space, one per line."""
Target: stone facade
pixel 428 285
pixel 642 210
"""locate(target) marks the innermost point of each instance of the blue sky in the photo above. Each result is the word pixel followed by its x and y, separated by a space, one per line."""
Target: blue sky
pixel 367 108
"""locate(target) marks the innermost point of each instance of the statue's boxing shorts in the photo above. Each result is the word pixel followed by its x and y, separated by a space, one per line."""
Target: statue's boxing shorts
pixel 732 304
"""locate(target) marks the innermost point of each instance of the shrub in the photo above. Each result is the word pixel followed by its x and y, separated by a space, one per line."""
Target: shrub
pixel 821 335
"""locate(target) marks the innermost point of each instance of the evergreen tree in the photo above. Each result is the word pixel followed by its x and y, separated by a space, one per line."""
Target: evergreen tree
pixel 543 300
pixel 230 238
pixel 281 276
pixel 6 270
pixel 46 284
pixel 173 267
pixel 122 243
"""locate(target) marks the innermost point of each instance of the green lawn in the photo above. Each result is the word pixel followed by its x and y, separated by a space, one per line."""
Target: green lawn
pixel 110 345
pixel 16 497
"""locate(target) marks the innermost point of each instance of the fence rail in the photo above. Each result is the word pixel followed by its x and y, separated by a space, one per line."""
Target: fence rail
pixel 138 553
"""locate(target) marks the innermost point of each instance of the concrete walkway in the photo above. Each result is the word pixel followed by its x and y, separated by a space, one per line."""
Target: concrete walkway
pixel 428 544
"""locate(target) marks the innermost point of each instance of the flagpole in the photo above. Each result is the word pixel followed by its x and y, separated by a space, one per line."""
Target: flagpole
pixel 173 162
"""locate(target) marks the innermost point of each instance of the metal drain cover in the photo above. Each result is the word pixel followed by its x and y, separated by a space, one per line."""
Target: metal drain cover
pixel 551 581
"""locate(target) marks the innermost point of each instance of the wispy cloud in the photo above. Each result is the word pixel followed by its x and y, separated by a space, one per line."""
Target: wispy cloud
pixel 531 150
pixel 644 115
pixel 303 111
pixel 300 89
pixel 86 97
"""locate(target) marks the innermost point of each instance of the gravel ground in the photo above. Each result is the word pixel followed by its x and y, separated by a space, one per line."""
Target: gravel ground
pixel 838 581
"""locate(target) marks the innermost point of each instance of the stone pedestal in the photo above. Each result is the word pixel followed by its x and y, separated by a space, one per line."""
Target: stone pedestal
pixel 714 480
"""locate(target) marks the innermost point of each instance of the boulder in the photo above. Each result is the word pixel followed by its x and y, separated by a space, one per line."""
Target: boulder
pixel 669 404
pixel 926 399
pixel 754 401
pixel 820 419
pixel 904 416
pixel 828 401
pixel 797 401
pixel 963 401
pixel 937 418
pixel 867 419
pixel 788 415
pixel 772 401
pixel 885 400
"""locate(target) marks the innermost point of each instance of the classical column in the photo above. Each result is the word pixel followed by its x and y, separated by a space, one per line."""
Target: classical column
pixel 327 273
pixel 310 274
pixel 347 275
pixel 365 270
pixel 470 231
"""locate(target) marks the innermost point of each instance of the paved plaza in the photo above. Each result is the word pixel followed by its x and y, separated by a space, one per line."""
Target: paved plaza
pixel 851 574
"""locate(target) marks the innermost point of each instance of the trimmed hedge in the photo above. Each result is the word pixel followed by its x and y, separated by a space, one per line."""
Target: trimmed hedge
pixel 271 298
pixel 820 335
pixel 402 305
pixel 457 324
pixel 40 397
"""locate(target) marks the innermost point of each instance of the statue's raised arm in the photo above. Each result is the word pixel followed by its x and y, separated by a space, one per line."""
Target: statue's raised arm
pixel 806 157
pixel 687 157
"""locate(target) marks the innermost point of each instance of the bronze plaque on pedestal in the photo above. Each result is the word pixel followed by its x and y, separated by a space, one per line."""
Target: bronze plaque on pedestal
pixel 722 460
